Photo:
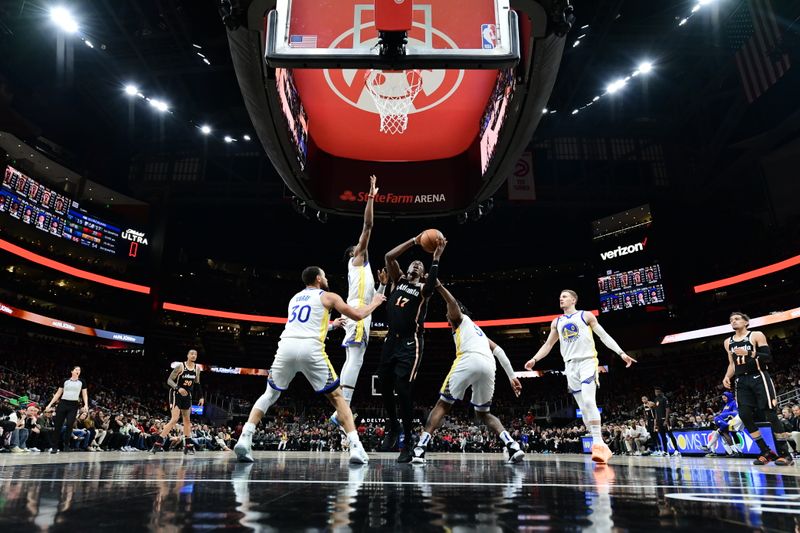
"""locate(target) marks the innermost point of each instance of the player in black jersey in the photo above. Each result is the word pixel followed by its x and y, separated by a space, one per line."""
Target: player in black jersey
pixel 183 382
pixel 749 358
pixel 402 351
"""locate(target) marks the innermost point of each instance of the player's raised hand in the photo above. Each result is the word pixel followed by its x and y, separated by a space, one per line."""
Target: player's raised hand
pixel 628 359
pixel 530 363
pixel 517 386
pixel 373 190
pixel 440 244
pixel 383 276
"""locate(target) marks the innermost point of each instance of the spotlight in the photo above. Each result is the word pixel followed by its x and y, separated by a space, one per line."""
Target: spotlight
pixel 645 67
pixel 88 43
pixel 575 111
pixel 246 137
pixel 615 86
pixel 205 129
pixel 228 139
pixel 62 18
pixel 683 21
pixel 575 44
pixel 131 90
pixel 544 111
pixel 160 105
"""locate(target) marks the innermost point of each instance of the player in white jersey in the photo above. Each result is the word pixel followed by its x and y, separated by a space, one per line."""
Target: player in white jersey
pixel 474 367
pixel 302 349
pixel 360 290
pixel 574 330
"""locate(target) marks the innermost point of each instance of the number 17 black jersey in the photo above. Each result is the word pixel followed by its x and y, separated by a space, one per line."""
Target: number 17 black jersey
pixel 406 308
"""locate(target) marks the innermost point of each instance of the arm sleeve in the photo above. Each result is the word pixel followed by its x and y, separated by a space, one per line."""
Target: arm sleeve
pixel 501 356
pixel 610 343
pixel 430 283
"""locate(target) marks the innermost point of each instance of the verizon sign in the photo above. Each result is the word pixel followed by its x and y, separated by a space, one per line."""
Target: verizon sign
pixel 623 250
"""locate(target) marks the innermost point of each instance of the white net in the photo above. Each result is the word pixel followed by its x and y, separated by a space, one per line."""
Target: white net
pixel 393 93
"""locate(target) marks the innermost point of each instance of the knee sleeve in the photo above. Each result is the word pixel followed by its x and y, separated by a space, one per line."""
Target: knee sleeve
pixel 266 400
pixel 352 364
pixel 748 416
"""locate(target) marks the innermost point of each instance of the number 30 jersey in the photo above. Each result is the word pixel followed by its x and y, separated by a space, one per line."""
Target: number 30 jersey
pixel 307 317
pixel 406 308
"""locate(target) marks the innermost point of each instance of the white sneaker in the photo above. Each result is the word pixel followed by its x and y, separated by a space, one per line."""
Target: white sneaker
pixel 358 456
pixel 676 454
pixel 418 455
pixel 244 449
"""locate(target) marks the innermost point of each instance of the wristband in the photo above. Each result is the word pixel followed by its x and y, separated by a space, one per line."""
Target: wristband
pixel 370 196
pixel 414 240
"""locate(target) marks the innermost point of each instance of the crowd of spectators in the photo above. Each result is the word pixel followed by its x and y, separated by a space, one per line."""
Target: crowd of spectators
pixel 128 408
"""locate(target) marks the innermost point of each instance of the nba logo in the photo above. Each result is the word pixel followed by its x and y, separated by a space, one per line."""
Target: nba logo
pixel 488 36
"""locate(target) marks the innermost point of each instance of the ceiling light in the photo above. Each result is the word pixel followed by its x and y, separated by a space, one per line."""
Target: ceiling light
pixel 246 137
pixel 205 129
pixel 615 86
pixel 64 19
pixel 131 90
pixel 645 67
pixel 160 105
pixel 228 139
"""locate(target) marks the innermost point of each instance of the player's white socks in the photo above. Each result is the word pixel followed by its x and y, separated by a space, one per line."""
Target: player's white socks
pixel 597 433
pixel 347 393
pixel 506 438
pixel 248 429
pixel 353 438
pixel 424 439
pixel 727 447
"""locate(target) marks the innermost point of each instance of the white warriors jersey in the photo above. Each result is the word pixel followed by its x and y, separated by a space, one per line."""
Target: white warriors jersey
pixel 577 341
pixel 307 317
pixel 469 338
pixel 360 284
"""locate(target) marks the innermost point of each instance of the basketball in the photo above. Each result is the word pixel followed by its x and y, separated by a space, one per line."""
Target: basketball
pixel 429 238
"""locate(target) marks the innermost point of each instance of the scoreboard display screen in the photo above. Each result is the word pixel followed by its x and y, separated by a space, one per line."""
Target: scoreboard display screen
pixel 30 202
pixel 628 289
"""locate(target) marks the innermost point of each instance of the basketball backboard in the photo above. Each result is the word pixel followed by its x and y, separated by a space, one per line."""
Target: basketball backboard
pixel 342 34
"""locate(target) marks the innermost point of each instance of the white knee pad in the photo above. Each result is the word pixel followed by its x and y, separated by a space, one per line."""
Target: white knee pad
pixel 266 400
pixel 352 364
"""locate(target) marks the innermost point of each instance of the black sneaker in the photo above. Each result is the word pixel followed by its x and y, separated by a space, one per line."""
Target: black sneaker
pixel 54 451
pixel 188 449
pixel 515 453
pixel 389 443
pixel 158 446
pixel 786 460
pixel 405 455
pixel 766 458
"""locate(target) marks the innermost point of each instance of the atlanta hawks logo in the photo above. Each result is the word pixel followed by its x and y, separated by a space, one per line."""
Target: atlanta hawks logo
pixel 569 333
pixel 437 85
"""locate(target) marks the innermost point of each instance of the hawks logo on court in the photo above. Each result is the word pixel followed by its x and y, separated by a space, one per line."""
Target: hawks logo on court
pixel 437 85
pixel 569 333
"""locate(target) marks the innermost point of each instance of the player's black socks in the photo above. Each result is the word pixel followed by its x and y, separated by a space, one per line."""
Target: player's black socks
pixel 762 446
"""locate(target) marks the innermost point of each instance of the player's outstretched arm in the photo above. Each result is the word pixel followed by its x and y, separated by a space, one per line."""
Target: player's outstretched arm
pixel 432 280
pixel 333 300
pixel 551 341
pixel 502 358
pixel 610 343
pixel 360 252
pixel 392 266
pixel 453 310
pixel 726 381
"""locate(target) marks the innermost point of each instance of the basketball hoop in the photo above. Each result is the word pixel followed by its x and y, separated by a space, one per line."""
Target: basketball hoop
pixel 393 92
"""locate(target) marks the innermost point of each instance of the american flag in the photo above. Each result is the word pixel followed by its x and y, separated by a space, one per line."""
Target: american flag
pixel 303 41
pixel 755 35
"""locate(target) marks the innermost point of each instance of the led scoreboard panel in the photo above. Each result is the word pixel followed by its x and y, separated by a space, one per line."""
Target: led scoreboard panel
pixel 30 202
pixel 626 289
